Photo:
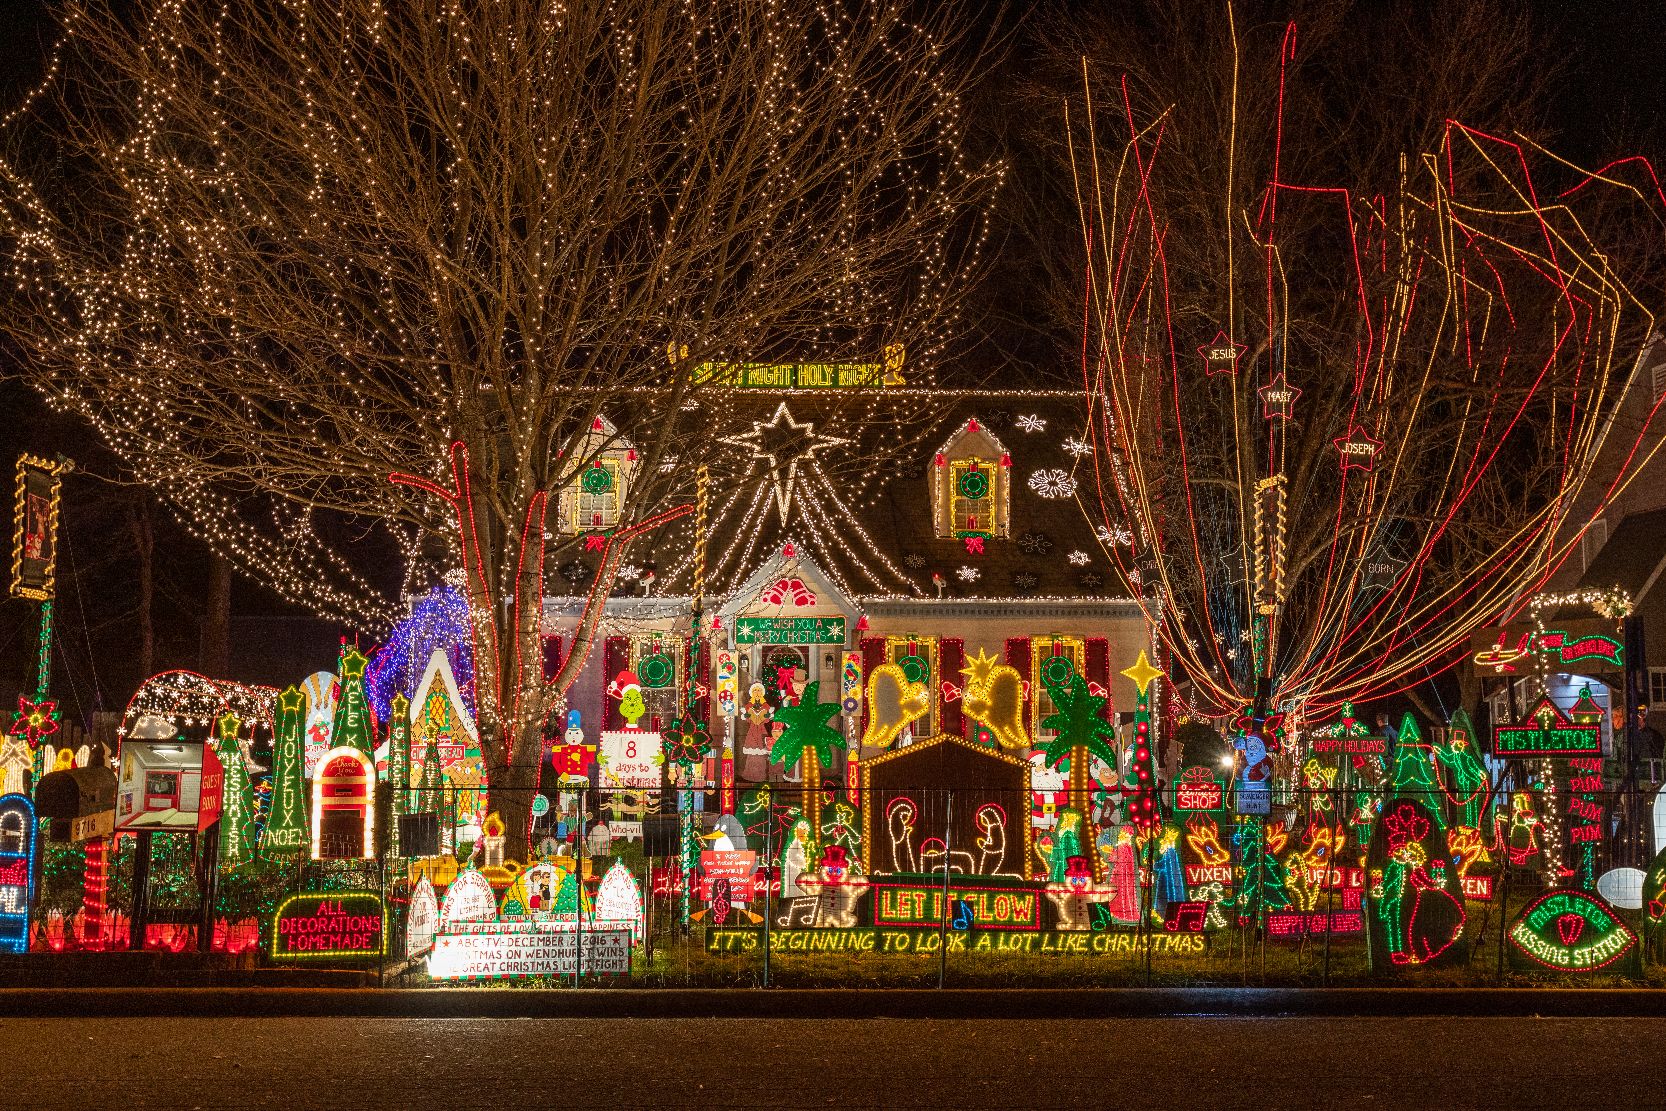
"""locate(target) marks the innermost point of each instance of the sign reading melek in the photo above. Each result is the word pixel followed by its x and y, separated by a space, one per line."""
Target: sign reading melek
pixel 789 630
pixel 1546 740
pixel 329 924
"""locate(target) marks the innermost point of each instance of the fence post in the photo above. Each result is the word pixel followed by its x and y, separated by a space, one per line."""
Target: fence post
pixel 942 919
pixel 769 862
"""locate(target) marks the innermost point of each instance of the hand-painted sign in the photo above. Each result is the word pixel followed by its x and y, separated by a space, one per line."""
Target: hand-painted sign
pixel 789 630
pixel 329 924
pixel 35 528
pixel 506 950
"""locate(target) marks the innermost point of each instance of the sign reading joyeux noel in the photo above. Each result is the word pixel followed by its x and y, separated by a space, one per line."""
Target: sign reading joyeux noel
pixel 330 924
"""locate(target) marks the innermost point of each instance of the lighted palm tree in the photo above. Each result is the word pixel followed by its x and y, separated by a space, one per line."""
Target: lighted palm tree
pixel 1081 733
pixel 807 736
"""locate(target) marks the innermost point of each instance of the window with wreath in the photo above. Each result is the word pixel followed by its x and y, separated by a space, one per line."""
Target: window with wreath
pixel 919 660
pixel 971 497
pixel 654 658
pixel 595 496
pixel 1052 659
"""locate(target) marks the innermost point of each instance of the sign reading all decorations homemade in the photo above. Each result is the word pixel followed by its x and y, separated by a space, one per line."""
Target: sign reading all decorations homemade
pixel 329 924
pixel 503 950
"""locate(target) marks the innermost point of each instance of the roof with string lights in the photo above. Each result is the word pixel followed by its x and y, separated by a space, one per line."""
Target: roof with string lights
pixel 847 478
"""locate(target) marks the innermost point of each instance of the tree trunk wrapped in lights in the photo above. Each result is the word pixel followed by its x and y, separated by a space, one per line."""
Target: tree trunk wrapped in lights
pixel 313 246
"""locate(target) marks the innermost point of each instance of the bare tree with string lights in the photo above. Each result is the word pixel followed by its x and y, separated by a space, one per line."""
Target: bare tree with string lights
pixel 318 270
pixel 1339 425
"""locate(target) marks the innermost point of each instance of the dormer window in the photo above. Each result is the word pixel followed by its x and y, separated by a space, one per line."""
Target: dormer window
pixel 971 496
pixel 598 496
pixel 594 497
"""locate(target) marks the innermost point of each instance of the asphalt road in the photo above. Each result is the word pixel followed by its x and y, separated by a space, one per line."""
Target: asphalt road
pixel 571 1064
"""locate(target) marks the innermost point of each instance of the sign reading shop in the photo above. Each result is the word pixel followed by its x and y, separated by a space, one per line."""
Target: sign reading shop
pixel 330 924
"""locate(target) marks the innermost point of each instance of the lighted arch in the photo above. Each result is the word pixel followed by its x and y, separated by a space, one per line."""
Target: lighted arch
pixel 345 782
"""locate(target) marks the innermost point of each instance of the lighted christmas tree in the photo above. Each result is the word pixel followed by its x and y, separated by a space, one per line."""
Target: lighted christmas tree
pixel 286 827
pixel 1142 808
pixel 237 809
pixel 1413 774
pixel 352 726
pixel 1262 887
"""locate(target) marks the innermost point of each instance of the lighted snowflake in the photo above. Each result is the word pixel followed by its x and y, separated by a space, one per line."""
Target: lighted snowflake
pixel 1035 543
pixel 1120 535
pixel 630 572
pixel 915 561
pixel 1078 558
pixel 1078 448
pixel 575 571
pixel 1050 482
pixel 968 574
pixel 1032 423
pixel 1023 582
pixel 1092 581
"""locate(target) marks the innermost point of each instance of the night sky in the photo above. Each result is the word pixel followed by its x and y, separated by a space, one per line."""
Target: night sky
pixel 1604 99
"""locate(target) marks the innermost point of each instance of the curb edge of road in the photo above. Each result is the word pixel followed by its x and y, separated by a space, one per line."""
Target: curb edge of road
pixel 829 1003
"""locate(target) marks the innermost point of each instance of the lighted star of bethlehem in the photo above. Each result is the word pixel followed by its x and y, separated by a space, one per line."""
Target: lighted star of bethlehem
pixel 782 443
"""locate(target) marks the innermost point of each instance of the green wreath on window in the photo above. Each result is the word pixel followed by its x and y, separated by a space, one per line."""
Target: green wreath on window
pixel 916 669
pixel 656 671
pixel 974 485
pixel 1057 671
pixel 596 479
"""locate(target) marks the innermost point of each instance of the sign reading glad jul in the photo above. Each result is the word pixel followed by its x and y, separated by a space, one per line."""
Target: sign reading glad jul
pixel 332 924
pixel 1048 943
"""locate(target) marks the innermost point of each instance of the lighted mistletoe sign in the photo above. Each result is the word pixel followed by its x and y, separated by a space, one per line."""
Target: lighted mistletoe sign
pixel 1571 931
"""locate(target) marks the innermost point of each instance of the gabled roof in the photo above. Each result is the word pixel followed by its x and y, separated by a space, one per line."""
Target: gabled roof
pixel 1632 556
pixel 439 670
pixel 861 508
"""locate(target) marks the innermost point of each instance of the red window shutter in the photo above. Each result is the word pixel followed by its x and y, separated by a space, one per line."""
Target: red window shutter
pixel 552 657
pixel 951 660
pixel 1099 671
pixel 616 657
pixel 1018 655
pixel 873 654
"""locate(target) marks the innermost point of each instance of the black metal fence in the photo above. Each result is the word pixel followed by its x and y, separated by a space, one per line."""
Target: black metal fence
pixel 1533 880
